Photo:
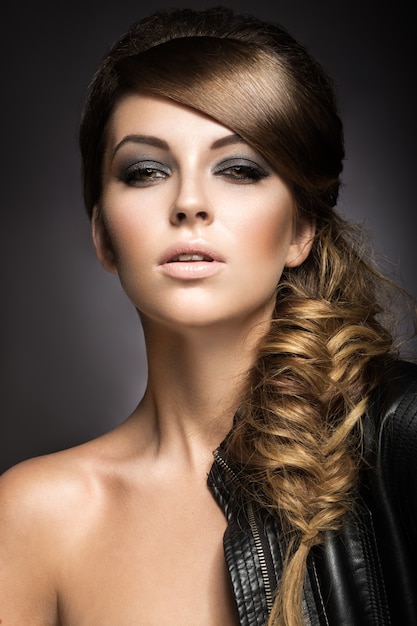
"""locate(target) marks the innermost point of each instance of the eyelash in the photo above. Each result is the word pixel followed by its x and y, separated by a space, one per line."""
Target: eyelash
pixel 145 173
pixel 244 170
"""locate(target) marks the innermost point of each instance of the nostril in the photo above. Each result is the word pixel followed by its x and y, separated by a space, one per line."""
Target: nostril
pixel 180 216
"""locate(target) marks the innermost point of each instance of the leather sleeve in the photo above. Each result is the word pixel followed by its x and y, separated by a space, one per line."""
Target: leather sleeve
pixel 367 575
pixel 395 493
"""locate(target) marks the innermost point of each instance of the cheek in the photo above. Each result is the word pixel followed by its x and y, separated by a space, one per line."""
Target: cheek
pixel 267 233
pixel 132 252
pixel 128 234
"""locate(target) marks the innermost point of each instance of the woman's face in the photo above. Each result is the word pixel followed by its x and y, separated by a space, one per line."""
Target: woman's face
pixel 196 223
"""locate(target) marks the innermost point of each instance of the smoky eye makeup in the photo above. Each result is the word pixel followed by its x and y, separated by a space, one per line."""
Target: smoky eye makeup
pixel 141 170
pixel 241 168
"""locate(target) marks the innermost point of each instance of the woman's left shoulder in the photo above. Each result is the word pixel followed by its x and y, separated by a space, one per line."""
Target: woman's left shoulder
pixel 393 413
pixel 395 399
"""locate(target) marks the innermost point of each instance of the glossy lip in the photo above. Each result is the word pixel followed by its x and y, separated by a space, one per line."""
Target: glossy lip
pixel 191 270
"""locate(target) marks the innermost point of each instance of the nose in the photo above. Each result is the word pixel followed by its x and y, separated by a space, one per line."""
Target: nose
pixel 191 204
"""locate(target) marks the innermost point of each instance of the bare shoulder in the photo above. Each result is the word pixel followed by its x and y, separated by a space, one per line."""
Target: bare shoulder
pixel 66 477
pixel 36 496
pixel 45 504
pixel 39 488
pixel 51 490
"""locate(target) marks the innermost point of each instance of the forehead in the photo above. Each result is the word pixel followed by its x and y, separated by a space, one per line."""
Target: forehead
pixel 161 117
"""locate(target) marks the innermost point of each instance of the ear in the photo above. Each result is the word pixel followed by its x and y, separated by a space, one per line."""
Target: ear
pixel 102 243
pixel 303 237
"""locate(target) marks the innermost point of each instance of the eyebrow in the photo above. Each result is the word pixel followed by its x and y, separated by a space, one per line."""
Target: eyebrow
pixel 228 140
pixel 142 139
pixel 150 140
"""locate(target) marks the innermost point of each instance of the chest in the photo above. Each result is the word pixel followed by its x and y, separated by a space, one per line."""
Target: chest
pixel 149 561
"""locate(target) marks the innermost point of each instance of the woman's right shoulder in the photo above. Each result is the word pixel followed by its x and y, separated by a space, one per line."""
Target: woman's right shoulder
pixel 38 500
pixel 50 491
pixel 64 484
pixel 37 486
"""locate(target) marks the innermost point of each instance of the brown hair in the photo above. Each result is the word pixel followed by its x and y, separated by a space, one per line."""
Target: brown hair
pixel 252 77
pixel 297 432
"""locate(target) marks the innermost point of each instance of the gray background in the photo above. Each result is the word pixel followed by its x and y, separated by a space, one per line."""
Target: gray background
pixel 72 363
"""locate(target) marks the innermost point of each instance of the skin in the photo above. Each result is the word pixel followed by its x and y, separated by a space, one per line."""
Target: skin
pixel 108 532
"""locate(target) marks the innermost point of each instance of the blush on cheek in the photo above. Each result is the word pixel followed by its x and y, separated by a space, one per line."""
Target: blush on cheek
pixel 272 238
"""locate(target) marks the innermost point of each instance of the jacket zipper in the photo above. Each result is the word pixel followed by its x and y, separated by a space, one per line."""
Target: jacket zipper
pixel 255 534
pixel 261 555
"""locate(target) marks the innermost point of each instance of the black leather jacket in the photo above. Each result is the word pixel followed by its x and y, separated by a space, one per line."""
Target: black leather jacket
pixel 363 576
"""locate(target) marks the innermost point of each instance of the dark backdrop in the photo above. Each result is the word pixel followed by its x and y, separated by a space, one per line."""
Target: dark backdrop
pixel 72 361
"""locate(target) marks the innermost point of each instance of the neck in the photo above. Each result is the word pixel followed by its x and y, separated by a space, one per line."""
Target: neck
pixel 195 380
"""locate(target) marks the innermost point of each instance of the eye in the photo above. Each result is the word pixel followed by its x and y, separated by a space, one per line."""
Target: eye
pixel 144 173
pixel 240 170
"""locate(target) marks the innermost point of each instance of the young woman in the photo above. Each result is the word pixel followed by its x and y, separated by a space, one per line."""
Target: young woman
pixel 267 475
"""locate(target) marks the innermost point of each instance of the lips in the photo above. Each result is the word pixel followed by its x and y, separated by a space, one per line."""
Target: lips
pixel 190 252
pixel 191 261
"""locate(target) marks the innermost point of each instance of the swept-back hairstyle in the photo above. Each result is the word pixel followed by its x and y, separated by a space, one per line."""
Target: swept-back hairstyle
pixel 297 432
pixel 249 75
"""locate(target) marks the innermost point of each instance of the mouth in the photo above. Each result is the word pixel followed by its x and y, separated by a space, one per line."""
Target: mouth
pixel 197 251
pixel 191 261
pixel 186 258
